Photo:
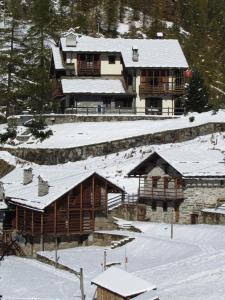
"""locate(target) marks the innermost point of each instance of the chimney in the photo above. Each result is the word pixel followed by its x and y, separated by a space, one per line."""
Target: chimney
pixel 43 187
pixel 135 54
pixel 27 175
pixel 2 192
pixel 159 35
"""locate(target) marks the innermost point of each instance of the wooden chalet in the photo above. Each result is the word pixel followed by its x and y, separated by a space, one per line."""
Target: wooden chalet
pixel 43 211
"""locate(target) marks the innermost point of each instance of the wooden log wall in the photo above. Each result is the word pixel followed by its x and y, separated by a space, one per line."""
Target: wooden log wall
pixel 73 213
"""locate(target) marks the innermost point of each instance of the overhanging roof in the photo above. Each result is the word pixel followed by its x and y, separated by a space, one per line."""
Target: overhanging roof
pixel 92 86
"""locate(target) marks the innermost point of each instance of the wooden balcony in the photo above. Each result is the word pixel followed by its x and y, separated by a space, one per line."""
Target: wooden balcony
pixel 161 188
pixel 162 86
pixel 89 69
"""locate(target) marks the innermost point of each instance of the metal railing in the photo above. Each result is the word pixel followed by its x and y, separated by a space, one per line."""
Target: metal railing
pixel 101 110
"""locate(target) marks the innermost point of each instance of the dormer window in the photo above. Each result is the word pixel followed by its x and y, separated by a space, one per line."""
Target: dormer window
pixel 71 38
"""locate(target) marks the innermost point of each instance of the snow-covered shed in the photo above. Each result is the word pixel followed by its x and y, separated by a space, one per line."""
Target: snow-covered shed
pixel 117 284
pixel 180 182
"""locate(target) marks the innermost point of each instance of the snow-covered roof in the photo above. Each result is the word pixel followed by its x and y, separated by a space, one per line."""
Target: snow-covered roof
pixel 61 179
pixel 122 283
pixel 217 210
pixel 152 53
pixel 191 162
pixel 57 58
pixel 92 86
pixel 151 295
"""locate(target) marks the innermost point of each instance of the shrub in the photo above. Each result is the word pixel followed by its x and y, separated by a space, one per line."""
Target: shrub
pixel 9 134
pixel 191 119
pixel 38 129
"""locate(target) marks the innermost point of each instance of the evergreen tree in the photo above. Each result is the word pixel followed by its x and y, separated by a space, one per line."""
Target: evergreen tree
pixel 197 94
pixel 38 55
pixel 11 57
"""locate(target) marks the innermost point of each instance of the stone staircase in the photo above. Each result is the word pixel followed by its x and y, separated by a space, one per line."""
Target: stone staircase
pixel 117 244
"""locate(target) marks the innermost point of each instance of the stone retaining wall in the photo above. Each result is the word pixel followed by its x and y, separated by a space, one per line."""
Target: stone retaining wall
pixel 61 155
pixel 72 118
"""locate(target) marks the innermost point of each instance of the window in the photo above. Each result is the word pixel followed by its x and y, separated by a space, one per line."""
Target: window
pixel 112 59
pixel 166 182
pixel 155 182
pixel 165 206
pixel 154 205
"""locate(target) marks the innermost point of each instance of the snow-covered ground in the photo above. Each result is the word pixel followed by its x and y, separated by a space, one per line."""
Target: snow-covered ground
pixel 115 167
pixel 78 134
pixel 191 266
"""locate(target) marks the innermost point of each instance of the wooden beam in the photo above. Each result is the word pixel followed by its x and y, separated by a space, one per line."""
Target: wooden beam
pixel 68 214
pixel 24 219
pixel 106 198
pixel 81 207
pixel 93 202
pixel 42 232
pixel 17 218
pixel 32 223
pixel 55 219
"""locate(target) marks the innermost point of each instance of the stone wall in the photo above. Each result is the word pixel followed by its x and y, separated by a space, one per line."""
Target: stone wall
pixel 197 198
pixel 212 219
pixel 61 155
pixel 75 118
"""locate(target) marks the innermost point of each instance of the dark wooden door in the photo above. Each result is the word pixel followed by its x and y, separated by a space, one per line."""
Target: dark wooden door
pixel 141 212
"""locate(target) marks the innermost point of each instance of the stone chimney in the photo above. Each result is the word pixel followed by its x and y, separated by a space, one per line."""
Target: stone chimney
pixel 43 187
pixel 159 35
pixel 2 192
pixel 27 175
pixel 135 54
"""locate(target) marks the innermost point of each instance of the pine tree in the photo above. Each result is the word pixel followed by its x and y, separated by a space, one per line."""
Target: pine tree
pixel 38 55
pixel 12 57
pixel 197 94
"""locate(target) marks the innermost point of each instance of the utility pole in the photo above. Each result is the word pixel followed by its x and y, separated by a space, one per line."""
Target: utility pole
pixel 56 252
pixel 82 284
pixel 104 264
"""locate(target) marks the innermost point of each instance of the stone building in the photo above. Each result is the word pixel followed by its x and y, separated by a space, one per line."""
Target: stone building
pixel 102 75
pixel 179 183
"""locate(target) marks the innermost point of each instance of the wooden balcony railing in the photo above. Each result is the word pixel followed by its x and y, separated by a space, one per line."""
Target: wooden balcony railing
pixel 161 188
pixel 162 85
pixel 89 69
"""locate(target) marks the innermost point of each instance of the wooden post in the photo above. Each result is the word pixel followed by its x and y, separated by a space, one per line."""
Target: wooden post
pixel 68 214
pixel 32 232
pixel 171 231
pixel 93 202
pixel 139 188
pixel 42 232
pixel 24 219
pixel 82 284
pixel 105 257
pixel 55 219
pixel 17 218
pixel 56 252
pixel 81 208
pixel 106 197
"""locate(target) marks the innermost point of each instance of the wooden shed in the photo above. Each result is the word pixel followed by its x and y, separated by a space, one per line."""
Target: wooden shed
pixel 117 284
